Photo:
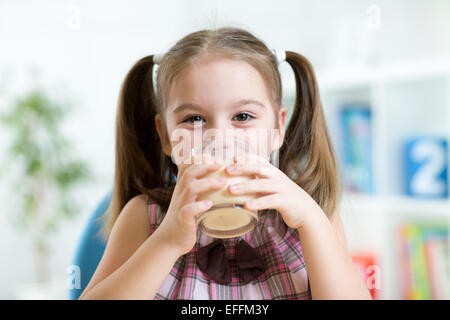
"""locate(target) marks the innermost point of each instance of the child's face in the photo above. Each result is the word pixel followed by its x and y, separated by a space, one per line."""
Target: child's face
pixel 220 95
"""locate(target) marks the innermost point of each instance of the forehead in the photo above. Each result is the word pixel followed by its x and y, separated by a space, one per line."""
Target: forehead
pixel 217 81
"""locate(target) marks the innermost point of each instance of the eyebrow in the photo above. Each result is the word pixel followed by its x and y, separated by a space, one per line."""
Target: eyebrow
pixel 239 103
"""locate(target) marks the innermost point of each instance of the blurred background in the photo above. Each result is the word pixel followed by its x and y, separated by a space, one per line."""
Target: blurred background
pixel 384 76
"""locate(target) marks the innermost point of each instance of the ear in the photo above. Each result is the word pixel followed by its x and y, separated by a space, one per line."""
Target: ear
pixel 163 137
pixel 282 116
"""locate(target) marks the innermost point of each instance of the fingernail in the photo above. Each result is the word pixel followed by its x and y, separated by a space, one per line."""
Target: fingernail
pixel 207 203
pixel 220 180
pixel 234 188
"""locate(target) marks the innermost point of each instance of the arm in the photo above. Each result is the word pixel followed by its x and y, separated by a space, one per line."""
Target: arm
pixel 331 271
pixel 134 264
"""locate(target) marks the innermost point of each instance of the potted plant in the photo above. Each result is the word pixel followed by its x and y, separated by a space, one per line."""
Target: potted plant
pixel 43 171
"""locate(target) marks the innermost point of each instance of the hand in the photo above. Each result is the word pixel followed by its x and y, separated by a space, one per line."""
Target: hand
pixel 179 226
pixel 275 190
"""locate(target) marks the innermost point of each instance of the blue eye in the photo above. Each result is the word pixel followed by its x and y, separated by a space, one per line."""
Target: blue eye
pixel 243 117
pixel 193 119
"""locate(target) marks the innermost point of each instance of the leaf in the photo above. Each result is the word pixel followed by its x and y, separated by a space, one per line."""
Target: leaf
pixel 40 155
pixel 71 173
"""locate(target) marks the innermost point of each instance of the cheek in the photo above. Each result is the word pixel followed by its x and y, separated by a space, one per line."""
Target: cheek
pixel 261 140
pixel 265 142
pixel 267 136
pixel 182 136
pixel 181 142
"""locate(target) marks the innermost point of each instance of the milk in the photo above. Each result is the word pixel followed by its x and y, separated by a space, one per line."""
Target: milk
pixel 222 195
pixel 227 218
pixel 231 221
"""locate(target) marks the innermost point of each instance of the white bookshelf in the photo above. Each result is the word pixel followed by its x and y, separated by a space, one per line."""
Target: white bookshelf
pixel 406 98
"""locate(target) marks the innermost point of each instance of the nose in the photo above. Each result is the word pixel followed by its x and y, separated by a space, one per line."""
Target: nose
pixel 221 125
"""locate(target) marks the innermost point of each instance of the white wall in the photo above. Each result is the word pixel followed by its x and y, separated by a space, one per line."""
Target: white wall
pixel 91 61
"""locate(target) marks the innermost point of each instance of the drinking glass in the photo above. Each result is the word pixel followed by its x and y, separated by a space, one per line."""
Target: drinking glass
pixel 227 218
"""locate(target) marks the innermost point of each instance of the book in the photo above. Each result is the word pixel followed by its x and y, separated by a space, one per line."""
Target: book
pixel 357 148
pixel 436 249
pixel 426 166
pixel 424 261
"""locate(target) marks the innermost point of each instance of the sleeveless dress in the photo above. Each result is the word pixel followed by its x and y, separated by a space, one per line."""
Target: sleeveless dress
pixel 285 276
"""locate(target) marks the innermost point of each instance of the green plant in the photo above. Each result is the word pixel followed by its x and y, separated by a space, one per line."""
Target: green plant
pixel 43 170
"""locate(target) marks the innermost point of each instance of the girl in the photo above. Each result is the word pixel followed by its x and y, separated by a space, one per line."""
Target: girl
pixel 225 79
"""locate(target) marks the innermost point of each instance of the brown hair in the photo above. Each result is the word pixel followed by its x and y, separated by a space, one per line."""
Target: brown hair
pixel 306 155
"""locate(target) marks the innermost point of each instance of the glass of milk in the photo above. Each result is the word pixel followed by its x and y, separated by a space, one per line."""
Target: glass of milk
pixel 227 218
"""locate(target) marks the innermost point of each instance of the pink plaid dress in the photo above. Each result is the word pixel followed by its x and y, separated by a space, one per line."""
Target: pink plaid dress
pixel 285 276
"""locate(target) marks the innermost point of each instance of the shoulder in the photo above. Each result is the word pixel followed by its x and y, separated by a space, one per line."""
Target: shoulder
pixel 131 228
pixel 133 217
pixel 136 207
pixel 128 233
pixel 144 210
pixel 138 201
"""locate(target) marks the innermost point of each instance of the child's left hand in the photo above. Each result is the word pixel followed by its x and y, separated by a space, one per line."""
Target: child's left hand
pixel 275 191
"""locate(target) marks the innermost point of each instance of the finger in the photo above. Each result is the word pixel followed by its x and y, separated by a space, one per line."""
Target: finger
pixel 195 159
pixel 198 170
pixel 259 170
pixel 198 186
pixel 192 209
pixel 266 202
pixel 264 186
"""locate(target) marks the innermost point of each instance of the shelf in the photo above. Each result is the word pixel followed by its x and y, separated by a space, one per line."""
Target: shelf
pixel 433 208
pixel 362 204
pixel 398 206
pixel 406 99
pixel 369 76
pixel 372 75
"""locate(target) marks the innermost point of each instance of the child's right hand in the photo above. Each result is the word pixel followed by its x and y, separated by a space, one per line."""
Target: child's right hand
pixel 179 226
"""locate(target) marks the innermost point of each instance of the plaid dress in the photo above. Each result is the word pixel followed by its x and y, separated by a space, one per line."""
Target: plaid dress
pixel 285 276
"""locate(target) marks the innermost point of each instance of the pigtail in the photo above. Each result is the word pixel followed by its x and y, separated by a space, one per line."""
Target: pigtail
pixel 307 154
pixel 138 155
